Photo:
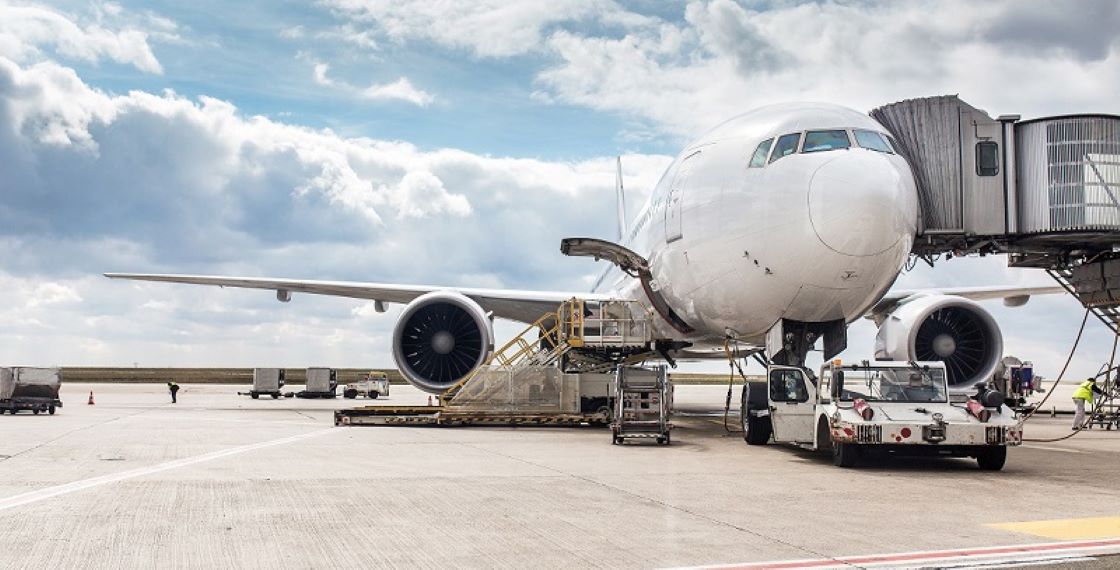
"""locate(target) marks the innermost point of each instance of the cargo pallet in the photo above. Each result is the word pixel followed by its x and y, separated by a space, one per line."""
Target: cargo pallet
pixel 442 416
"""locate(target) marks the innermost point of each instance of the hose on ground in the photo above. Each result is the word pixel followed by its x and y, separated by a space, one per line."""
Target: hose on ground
pixel 1099 403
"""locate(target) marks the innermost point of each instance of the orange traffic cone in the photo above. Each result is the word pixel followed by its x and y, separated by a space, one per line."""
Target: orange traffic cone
pixel 90 397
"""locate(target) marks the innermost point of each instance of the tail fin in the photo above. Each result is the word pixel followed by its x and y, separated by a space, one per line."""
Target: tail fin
pixel 623 231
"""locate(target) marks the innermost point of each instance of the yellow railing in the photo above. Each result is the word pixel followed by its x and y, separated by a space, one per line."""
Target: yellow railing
pixel 523 346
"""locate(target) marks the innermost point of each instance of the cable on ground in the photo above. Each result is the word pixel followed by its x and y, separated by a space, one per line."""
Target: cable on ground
pixel 1089 417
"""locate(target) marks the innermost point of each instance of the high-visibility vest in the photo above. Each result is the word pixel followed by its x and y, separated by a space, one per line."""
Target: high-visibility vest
pixel 1084 391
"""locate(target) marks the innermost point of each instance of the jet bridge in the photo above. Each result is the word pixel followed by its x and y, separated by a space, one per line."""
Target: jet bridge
pixel 1044 191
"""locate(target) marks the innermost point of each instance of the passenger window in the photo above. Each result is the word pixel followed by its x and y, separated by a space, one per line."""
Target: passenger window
pixel 759 157
pixel 987 158
pixel 818 141
pixel 787 145
pixel 788 386
pixel 872 140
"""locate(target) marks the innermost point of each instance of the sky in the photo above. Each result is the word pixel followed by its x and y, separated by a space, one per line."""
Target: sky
pixel 441 142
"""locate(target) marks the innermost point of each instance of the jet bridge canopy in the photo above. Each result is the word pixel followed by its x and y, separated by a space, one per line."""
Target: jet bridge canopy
pixel 1044 191
pixel 1042 188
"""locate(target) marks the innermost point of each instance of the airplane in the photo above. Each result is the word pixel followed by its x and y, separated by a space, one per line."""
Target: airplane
pixel 774 230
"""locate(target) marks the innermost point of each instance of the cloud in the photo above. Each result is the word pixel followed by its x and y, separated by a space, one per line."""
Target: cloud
pixel 723 59
pixel 489 28
pixel 399 90
pixel 99 182
pixel 24 30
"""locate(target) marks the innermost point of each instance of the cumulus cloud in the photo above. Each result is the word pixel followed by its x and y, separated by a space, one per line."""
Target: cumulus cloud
pixel 399 90
pixel 724 58
pixel 25 30
pixel 142 181
pixel 720 57
pixel 489 28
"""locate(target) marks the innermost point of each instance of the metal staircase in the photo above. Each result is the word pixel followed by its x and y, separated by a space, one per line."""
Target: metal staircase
pixel 1097 300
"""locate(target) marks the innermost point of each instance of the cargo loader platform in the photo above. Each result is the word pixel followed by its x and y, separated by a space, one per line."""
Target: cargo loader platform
pixel 560 371
pixel 443 416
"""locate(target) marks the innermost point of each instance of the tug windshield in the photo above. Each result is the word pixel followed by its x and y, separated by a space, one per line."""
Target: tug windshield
pixel 892 384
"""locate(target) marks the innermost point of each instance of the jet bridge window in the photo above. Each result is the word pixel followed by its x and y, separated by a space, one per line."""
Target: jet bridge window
pixel 759 158
pixel 987 158
pixel 787 145
pixel 819 141
pixel 872 140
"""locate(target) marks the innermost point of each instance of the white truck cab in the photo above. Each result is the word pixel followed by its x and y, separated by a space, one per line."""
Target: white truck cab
pixel 878 406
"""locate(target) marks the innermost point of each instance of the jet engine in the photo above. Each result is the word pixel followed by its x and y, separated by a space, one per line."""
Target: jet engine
pixel 440 338
pixel 947 328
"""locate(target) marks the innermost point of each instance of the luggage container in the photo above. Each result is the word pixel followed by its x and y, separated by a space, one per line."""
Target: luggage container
pixel 266 382
pixel 26 388
pixel 321 383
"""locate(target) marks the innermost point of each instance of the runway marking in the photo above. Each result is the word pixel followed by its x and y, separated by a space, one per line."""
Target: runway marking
pixel 986 555
pixel 1048 448
pixel 81 485
pixel 1067 529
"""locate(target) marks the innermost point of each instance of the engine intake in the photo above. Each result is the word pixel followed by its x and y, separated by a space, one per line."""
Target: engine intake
pixel 440 338
pixel 945 328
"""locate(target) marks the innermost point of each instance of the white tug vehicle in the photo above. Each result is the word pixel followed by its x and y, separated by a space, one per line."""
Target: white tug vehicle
pixel 879 407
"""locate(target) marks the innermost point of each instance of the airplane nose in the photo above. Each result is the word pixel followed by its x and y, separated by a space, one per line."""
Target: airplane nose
pixel 860 204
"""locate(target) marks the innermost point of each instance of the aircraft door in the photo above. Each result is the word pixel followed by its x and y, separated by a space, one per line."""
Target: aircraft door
pixel 674 201
pixel 793 400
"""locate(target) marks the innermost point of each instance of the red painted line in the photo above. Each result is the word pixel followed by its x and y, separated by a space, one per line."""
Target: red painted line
pixel 931 555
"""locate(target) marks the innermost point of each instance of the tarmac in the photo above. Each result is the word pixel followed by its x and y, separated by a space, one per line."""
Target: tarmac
pixel 220 480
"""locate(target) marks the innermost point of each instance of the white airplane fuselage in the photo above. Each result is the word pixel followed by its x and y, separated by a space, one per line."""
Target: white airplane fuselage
pixel 813 236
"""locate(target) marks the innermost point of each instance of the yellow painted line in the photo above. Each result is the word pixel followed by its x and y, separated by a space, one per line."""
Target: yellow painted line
pixel 1067 529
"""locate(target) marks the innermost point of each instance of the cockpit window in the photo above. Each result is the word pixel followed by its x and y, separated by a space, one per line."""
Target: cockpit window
pixel 818 141
pixel 872 140
pixel 759 157
pixel 787 145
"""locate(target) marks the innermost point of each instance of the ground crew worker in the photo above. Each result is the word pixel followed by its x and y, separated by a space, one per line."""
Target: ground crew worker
pixel 174 388
pixel 1084 393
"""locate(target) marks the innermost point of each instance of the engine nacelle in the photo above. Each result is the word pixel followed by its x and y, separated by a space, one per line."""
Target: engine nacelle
pixel 945 328
pixel 440 338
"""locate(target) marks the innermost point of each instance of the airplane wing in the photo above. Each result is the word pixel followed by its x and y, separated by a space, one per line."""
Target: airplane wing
pixel 1012 296
pixel 523 306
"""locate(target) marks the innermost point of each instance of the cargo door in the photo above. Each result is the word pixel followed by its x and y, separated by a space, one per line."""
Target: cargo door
pixel 675 199
pixel 792 403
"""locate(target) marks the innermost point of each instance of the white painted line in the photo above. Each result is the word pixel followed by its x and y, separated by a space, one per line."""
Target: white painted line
pixel 66 488
pixel 1048 448
pixel 979 556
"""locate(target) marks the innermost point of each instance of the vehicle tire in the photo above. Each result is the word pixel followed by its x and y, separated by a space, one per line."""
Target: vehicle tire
pixel 255 396
pixel 50 410
pixel 824 437
pixel 844 454
pixel 350 394
pixel 35 411
pixel 373 395
pixel 275 396
pixel 992 458
pixel 756 431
